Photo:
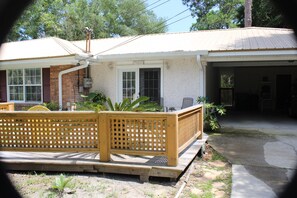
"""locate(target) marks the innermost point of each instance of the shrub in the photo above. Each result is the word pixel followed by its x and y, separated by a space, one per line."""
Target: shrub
pixel 211 111
pixel 140 104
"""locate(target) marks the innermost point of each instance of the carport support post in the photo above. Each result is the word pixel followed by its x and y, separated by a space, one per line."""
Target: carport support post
pixel 104 137
pixel 172 140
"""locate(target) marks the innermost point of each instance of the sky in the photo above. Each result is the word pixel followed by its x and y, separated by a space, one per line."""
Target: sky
pixel 170 9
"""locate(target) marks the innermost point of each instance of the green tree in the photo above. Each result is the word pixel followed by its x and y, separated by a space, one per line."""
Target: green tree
pixel 214 14
pixel 68 18
pixel 264 14
pixel 223 14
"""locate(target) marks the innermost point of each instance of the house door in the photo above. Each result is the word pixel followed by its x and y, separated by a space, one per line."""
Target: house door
pixel 150 83
pixel 128 84
pixel 283 91
pixel 140 82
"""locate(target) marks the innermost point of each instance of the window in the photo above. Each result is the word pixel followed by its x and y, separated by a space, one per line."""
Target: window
pixel 227 87
pixel 129 81
pixel 24 85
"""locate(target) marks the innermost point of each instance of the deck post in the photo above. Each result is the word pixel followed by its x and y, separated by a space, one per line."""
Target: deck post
pixel 200 122
pixel 172 140
pixel 104 137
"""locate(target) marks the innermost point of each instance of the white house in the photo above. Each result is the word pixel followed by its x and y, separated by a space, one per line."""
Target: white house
pixel 247 68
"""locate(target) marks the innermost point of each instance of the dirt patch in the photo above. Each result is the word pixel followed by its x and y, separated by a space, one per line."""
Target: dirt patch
pixel 210 176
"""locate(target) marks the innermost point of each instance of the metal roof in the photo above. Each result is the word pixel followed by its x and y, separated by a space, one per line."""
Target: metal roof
pixel 37 48
pixel 237 39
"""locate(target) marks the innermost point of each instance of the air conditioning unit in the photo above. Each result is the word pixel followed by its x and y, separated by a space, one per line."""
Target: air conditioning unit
pixel 88 82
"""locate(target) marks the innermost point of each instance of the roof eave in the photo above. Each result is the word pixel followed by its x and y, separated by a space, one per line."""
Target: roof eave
pixel 256 55
pixel 152 55
pixel 38 62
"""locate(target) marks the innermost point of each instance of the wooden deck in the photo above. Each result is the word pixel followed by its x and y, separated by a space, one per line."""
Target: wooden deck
pixel 144 166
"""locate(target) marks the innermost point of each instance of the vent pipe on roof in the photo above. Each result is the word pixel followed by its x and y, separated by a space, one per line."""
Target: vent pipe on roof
pixel 89 32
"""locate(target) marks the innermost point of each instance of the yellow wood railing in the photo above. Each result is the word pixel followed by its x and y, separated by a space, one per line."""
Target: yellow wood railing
pixel 131 133
pixel 49 131
pixel 7 106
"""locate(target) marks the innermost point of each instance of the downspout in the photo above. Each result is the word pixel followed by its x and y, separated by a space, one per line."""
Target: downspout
pixel 85 65
pixel 203 75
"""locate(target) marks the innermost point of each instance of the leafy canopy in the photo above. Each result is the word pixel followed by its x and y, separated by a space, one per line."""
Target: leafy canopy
pixel 214 14
pixel 224 14
pixel 67 19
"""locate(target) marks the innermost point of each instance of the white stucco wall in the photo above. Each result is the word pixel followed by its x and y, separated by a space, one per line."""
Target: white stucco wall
pixel 180 78
pixel 104 79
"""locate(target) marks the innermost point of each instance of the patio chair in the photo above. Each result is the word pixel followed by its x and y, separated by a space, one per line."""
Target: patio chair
pixel 38 108
pixel 187 102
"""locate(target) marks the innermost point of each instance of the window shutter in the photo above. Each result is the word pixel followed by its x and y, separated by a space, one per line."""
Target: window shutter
pixel 46 84
pixel 3 87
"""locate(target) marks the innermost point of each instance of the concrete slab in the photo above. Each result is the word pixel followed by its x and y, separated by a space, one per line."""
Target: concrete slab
pixel 262 149
pixel 246 185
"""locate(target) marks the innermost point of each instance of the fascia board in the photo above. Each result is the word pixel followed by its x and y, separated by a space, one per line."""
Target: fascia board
pixel 252 56
pixel 38 63
pixel 147 56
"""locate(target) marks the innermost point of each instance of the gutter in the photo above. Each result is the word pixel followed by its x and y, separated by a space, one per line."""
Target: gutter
pixel 85 65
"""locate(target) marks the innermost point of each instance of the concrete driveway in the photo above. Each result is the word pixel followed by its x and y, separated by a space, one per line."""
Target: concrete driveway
pixel 262 150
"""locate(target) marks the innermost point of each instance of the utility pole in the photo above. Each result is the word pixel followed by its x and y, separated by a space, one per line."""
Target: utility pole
pixel 248 13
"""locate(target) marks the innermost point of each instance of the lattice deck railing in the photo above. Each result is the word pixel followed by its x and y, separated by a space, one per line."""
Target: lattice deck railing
pixel 7 106
pixel 49 131
pixel 134 133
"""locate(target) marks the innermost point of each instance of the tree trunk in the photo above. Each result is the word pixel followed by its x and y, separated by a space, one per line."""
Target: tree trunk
pixel 248 13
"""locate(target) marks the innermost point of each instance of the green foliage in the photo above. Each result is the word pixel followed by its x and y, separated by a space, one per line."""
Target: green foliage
pixel 264 14
pixel 223 14
pixel 61 183
pixel 94 101
pixel 214 14
pixel 53 106
pixel 140 104
pixel 211 110
pixel 67 19
pixel 89 106
pixel 96 96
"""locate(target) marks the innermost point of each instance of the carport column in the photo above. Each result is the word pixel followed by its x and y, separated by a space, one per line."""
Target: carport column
pixel 104 137
pixel 172 140
pixel 202 78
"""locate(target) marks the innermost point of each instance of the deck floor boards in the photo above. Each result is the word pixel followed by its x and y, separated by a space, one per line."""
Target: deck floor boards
pixel 144 166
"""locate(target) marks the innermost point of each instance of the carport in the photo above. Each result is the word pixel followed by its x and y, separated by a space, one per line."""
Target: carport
pixel 261 86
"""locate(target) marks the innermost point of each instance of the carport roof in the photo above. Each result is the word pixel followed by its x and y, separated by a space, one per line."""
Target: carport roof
pixel 237 39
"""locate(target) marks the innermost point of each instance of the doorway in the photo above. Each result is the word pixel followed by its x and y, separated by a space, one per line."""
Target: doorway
pixel 140 82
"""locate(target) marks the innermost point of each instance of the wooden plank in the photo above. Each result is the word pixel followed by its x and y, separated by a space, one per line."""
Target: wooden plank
pixel 79 162
pixel 172 140
pixel 104 138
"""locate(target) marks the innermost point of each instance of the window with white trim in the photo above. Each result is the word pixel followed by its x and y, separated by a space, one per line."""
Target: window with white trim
pixel 24 85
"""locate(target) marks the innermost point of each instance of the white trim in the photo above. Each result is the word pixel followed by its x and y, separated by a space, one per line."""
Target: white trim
pixel 292 63
pixel 124 67
pixel 275 55
pixel 149 55
pixel 37 63
pixel 24 87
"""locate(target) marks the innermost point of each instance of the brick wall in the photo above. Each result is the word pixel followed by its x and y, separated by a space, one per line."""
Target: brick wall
pixel 70 84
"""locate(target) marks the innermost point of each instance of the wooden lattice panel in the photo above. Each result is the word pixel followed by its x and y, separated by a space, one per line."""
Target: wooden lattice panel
pixel 143 134
pixel 51 132
pixel 188 127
